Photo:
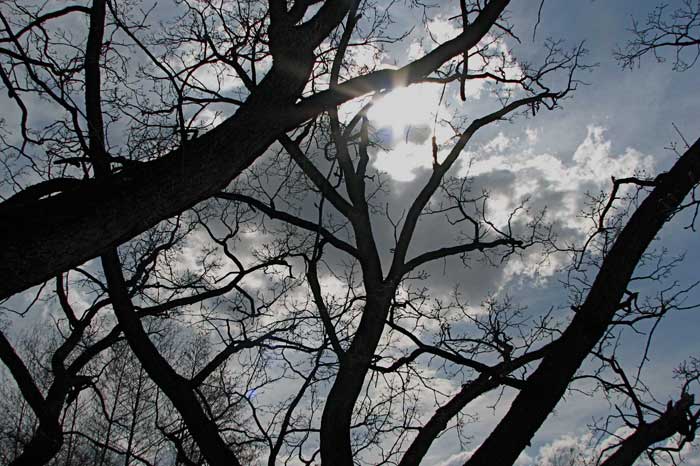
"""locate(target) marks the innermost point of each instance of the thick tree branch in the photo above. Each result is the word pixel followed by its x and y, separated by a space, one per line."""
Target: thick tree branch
pixel 411 73
pixel 89 220
pixel 487 380
pixel 22 376
pixel 93 102
pixel 204 430
pixel 549 381
pixel 677 419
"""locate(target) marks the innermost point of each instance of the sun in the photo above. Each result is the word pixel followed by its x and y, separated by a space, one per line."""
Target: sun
pixel 405 107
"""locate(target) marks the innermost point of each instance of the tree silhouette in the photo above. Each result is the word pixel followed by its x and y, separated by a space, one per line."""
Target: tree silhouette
pixel 217 173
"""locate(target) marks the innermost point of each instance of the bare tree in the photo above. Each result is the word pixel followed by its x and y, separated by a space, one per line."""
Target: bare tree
pixel 97 215
pixel 145 169
pixel 674 30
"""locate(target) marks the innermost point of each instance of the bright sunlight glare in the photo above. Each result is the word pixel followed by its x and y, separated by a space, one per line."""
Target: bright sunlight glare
pixel 406 106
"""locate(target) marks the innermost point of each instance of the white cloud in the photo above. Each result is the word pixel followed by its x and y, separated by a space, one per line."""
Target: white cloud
pixel 499 143
pixel 547 180
pixel 460 458
pixel 415 50
pixel 442 29
pixel 595 162
pixel 533 135
pixel 207 117
pixel 364 57
pixel 403 160
pixel 586 450
pixel 457 460
pixel 512 172
pixel 567 450
pixel 537 175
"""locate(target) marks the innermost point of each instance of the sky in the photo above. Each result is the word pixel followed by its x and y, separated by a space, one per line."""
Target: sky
pixel 621 122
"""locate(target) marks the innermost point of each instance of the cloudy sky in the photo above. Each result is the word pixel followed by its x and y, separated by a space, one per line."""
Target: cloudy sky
pixel 620 123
